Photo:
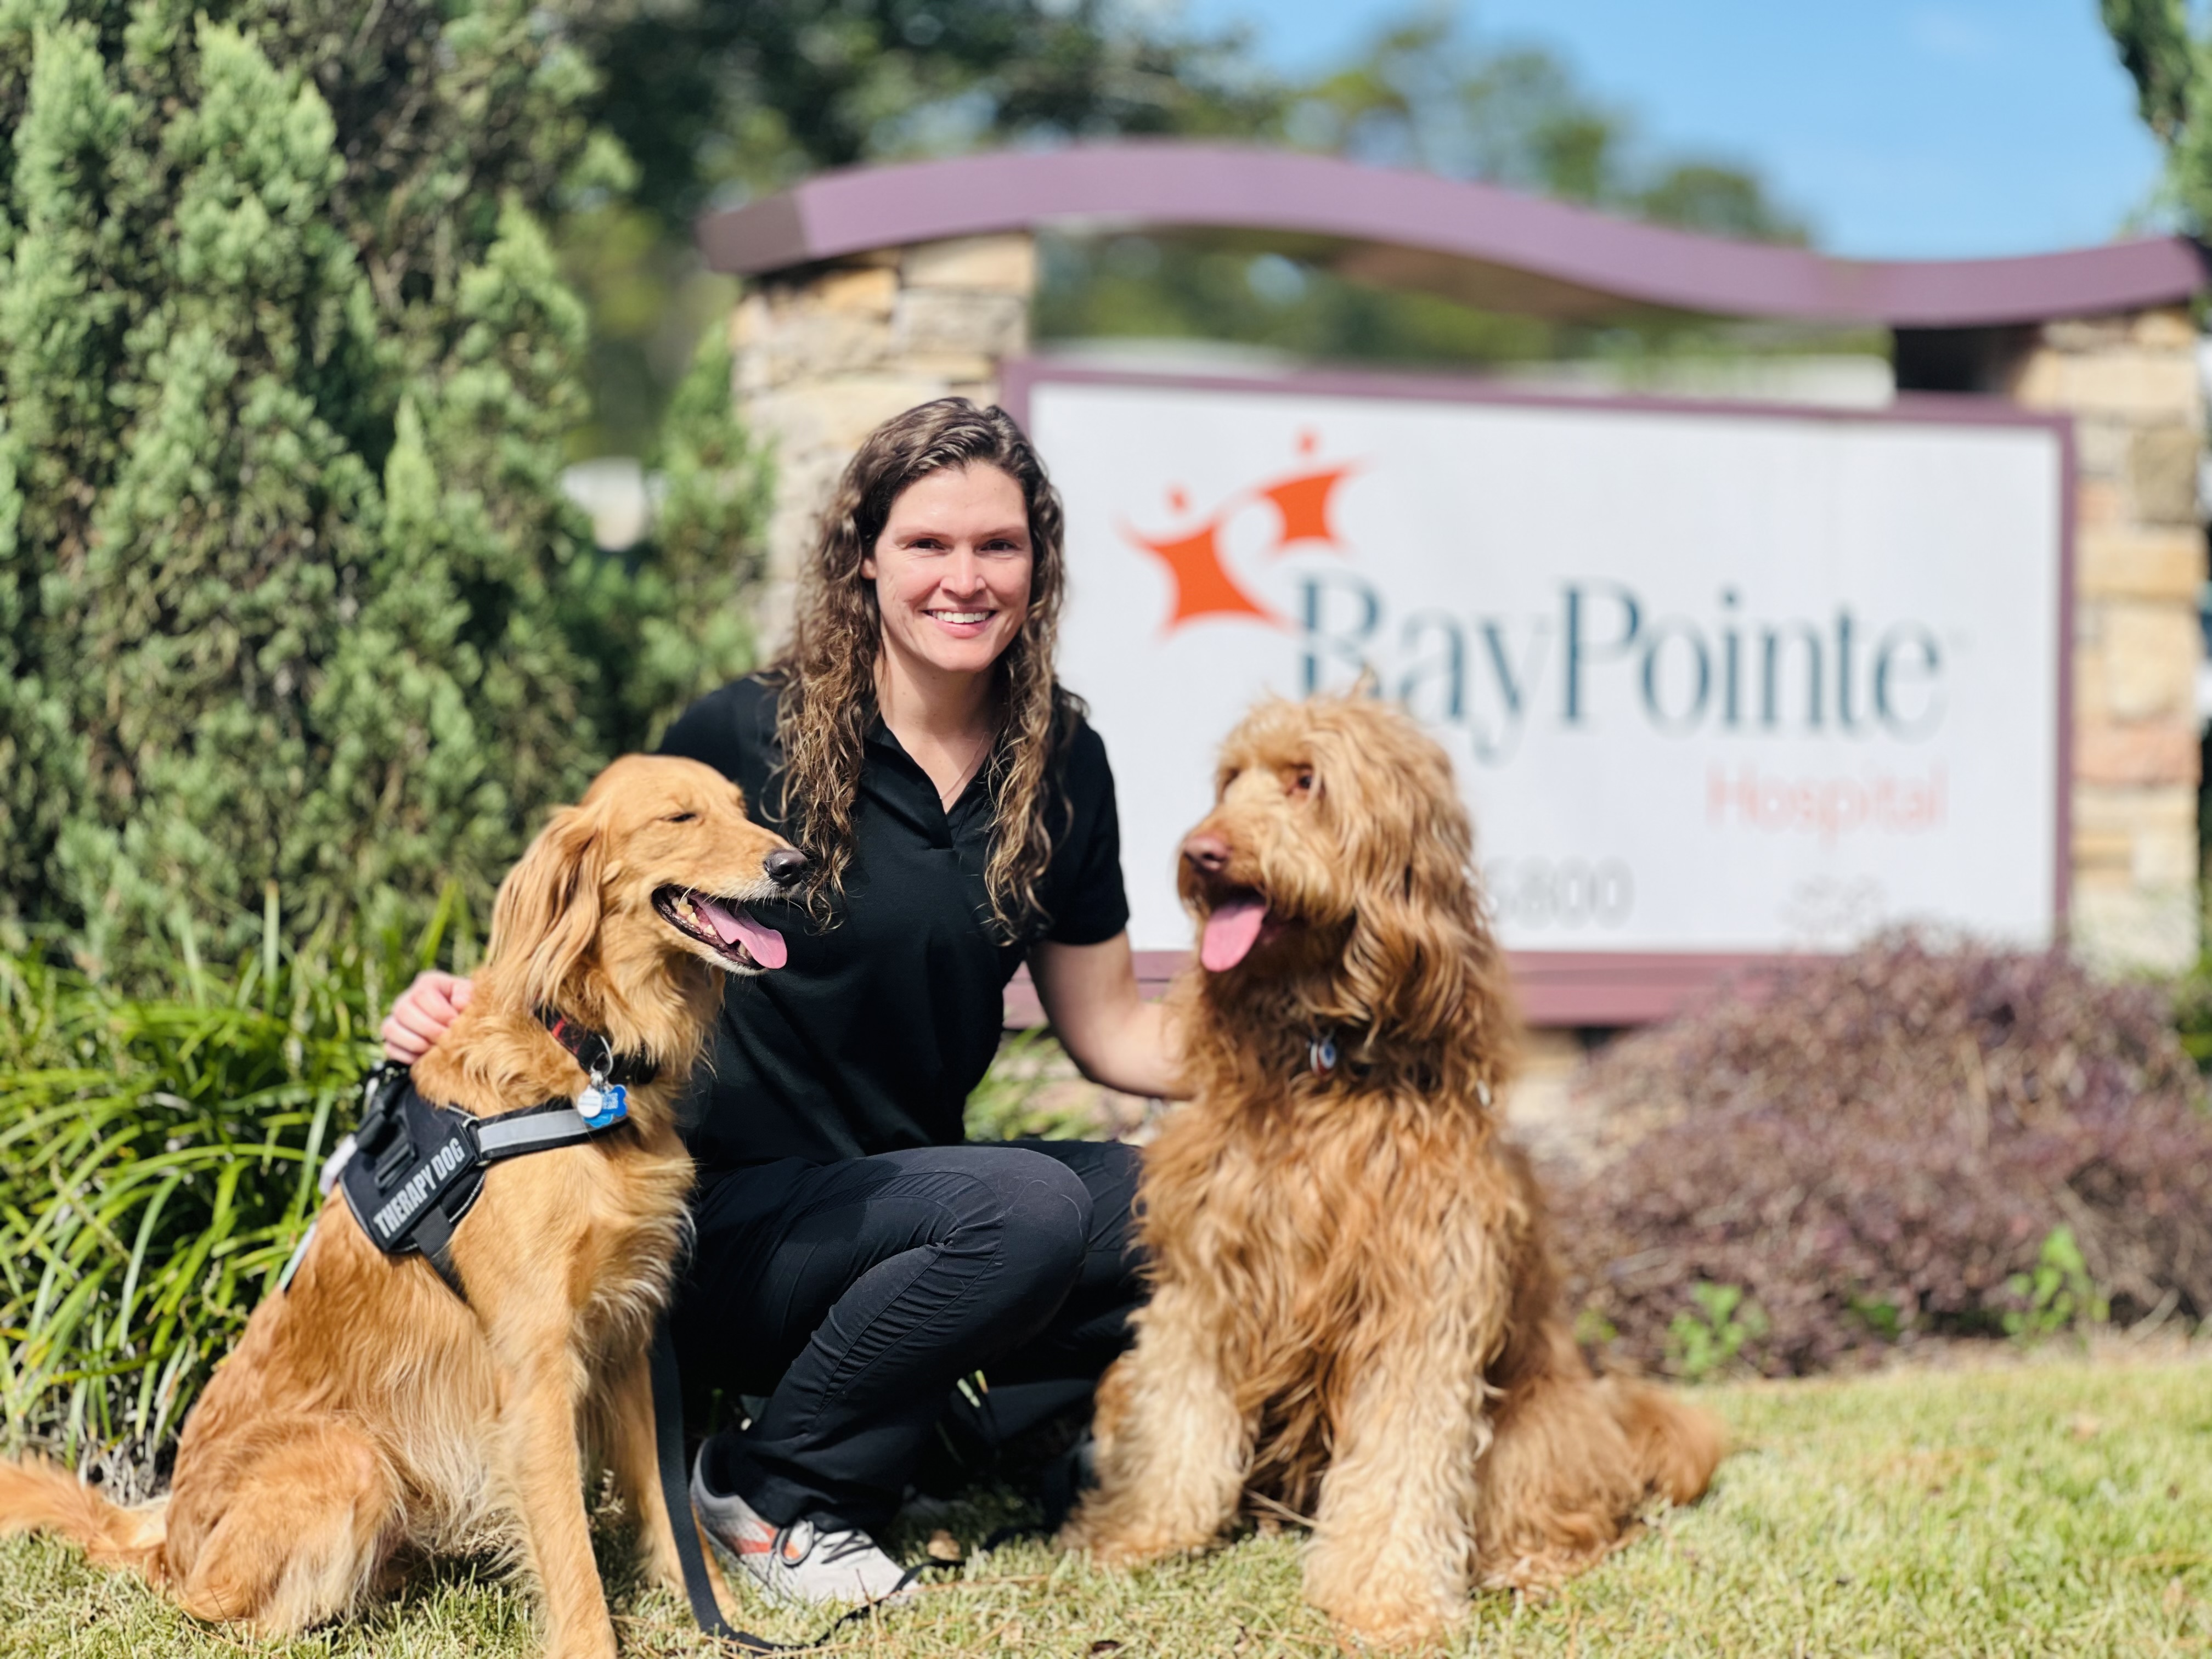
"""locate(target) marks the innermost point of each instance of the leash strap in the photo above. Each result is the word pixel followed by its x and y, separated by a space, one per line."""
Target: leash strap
pixel 675 1497
pixel 691 1553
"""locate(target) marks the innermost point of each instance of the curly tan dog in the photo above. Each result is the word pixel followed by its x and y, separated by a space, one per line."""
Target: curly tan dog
pixel 1355 1315
pixel 367 1408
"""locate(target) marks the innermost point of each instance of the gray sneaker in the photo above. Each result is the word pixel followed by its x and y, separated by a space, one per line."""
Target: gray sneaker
pixel 801 1562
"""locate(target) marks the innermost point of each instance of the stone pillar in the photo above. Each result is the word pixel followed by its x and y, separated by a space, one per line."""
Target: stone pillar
pixel 2131 384
pixel 827 353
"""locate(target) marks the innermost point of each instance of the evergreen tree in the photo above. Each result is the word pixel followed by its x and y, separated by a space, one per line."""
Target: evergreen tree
pixel 287 593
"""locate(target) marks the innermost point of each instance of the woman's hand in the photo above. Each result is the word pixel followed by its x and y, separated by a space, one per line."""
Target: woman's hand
pixel 1112 1034
pixel 423 1012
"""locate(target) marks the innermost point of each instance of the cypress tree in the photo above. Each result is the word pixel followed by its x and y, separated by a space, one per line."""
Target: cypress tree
pixel 289 595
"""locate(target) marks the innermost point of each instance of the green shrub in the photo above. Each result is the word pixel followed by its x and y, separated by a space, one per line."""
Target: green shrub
pixel 288 591
pixel 1705 1337
pixel 1015 1100
pixel 2192 1006
pixel 158 1159
pixel 2058 1294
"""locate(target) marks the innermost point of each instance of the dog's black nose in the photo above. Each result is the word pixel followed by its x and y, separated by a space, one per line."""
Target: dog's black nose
pixel 785 865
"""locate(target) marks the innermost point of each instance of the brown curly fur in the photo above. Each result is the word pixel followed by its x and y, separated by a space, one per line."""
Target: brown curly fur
pixel 366 1408
pixel 1355 1314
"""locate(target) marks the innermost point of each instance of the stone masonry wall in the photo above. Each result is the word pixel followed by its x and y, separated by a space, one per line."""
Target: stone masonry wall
pixel 2130 383
pixel 826 353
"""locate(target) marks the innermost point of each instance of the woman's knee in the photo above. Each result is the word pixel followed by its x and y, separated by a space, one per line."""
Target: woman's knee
pixel 1040 1211
pixel 1047 1206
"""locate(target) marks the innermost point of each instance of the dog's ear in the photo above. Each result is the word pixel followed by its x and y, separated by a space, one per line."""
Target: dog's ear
pixel 547 915
pixel 1421 965
pixel 1410 964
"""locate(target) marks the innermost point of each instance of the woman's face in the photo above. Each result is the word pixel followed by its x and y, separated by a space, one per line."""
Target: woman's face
pixel 952 570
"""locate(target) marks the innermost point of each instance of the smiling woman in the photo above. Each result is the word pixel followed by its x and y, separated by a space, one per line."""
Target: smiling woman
pixel 956 814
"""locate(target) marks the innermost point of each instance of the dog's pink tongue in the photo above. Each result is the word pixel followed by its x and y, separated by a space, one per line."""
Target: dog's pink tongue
pixel 1230 933
pixel 765 945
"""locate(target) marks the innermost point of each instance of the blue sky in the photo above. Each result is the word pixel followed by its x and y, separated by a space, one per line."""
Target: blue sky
pixel 1903 128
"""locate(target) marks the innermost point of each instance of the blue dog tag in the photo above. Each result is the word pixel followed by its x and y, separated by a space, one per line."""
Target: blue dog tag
pixel 602 1106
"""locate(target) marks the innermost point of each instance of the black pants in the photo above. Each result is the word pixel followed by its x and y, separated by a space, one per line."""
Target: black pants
pixel 854 1295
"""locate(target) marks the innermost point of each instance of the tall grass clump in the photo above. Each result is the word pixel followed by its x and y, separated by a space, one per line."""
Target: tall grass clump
pixel 158 1156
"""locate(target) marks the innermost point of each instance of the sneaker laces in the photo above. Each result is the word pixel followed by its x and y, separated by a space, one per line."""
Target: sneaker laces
pixel 805 1535
pixel 848 1543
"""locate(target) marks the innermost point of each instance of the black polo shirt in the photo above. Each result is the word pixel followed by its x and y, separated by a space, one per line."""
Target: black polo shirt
pixel 871 1036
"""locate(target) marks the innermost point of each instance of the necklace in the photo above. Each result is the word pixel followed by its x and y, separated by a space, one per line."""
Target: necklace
pixel 949 797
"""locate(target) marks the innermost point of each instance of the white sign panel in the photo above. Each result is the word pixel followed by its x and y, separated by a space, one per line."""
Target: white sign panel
pixel 1713 680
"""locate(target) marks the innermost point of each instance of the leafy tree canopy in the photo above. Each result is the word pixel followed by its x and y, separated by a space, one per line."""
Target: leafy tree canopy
pixel 2172 67
pixel 1426 94
pixel 719 102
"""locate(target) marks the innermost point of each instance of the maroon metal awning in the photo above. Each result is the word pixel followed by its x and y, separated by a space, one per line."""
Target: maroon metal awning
pixel 1476 243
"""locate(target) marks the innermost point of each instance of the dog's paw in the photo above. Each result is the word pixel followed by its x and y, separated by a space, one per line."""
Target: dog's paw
pixel 1113 1544
pixel 1396 1627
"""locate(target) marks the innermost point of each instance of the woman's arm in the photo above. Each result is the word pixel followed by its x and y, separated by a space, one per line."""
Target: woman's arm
pixel 1113 1035
pixel 421 1016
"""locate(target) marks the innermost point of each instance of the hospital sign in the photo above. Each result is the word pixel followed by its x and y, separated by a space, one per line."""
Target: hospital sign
pixel 1718 683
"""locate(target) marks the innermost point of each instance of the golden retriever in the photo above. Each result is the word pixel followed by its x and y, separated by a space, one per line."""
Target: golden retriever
pixel 1354 1314
pixel 368 1407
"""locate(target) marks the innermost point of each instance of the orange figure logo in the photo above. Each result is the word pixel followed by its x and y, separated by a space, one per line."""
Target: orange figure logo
pixel 1203 585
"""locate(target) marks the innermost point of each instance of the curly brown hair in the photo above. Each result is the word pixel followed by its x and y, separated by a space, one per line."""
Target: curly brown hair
pixel 826 678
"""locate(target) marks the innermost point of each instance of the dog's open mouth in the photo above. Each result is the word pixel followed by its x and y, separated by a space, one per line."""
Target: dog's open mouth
pixel 723 926
pixel 1237 922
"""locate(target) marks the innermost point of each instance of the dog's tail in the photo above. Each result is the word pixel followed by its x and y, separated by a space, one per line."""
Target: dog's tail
pixel 1677 1447
pixel 36 1497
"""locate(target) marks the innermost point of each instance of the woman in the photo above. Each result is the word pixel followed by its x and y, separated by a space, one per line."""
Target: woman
pixel 854 1260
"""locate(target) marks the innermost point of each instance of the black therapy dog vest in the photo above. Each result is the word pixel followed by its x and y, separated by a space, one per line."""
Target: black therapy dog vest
pixel 417 1168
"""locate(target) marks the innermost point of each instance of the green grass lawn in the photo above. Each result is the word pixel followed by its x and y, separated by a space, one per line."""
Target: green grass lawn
pixel 2058 1506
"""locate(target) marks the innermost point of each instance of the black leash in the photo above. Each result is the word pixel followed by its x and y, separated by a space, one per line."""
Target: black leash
pixel 676 1496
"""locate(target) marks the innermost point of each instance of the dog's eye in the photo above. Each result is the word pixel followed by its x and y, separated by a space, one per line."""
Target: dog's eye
pixel 1301 781
pixel 679 817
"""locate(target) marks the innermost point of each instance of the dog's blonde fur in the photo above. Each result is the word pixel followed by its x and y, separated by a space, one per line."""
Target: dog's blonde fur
pixel 1355 1315
pixel 367 1408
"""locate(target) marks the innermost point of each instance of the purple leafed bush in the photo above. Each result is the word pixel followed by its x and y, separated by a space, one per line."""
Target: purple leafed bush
pixel 1906 1141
